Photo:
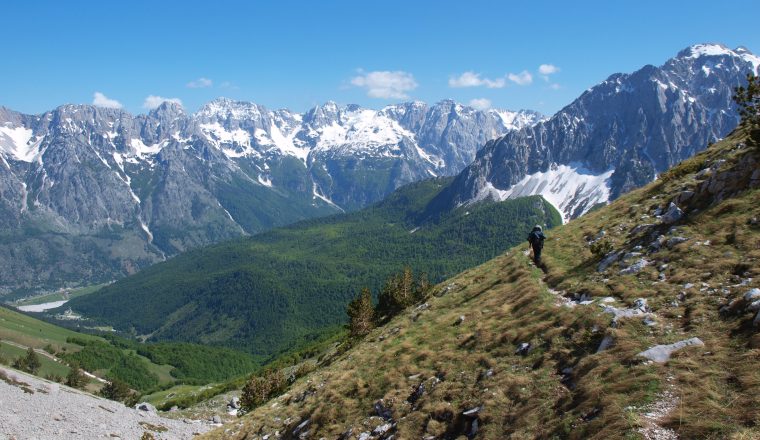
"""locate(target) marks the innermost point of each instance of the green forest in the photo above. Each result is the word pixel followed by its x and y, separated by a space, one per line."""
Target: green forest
pixel 279 290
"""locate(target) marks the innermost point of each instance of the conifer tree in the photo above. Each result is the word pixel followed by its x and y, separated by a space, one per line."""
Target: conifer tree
pixel 29 363
pixel 748 99
pixel 361 314
pixel 75 378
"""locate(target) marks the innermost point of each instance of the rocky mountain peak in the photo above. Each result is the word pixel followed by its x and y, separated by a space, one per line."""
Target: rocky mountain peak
pixel 616 136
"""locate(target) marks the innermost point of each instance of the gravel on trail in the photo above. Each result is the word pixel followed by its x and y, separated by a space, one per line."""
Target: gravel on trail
pixel 34 408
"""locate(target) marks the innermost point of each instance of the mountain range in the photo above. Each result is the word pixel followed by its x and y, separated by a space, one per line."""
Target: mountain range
pixel 89 194
pixel 616 136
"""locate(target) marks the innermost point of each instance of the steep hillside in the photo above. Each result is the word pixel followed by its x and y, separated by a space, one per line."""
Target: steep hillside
pixel 267 292
pixel 506 350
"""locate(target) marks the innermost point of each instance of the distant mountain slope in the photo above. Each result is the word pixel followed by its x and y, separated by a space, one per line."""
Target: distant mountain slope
pixel 616 136
pixel 267 292
pixel 89 194
pixel 582 351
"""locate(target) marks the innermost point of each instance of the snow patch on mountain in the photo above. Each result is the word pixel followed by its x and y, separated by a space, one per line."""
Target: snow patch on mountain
pixel 287 143
pixel 16 142
pixel 517 120
pixel 572 189
pixel 141 150
pixel 699 50
pixel 362 131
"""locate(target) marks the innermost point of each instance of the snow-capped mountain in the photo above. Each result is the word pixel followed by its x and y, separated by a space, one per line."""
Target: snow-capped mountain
pixel 616 136
pixel 94 192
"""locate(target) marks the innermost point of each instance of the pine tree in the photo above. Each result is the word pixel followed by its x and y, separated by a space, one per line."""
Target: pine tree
pixel 361 314
pixel 75 378
pixel 422 289
pixel 29 363
pixel 748 99
pixel 406 291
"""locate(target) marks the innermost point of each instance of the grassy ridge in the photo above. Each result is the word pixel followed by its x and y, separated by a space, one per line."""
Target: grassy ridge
pixel 465 346
pixel 271 292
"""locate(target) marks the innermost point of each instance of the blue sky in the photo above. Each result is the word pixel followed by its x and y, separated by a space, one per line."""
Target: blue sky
pixel 296 54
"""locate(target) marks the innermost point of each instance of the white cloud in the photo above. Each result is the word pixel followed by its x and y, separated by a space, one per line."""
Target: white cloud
pixel 555 86
pixel 480 104
pixel 101 100
pixel 472 79
pixel 153 101
pixel 547 69
pixel 522 79
pixel 386 84
pixel 200 83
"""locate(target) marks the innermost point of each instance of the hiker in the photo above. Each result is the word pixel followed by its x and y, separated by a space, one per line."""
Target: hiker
pixel 536 239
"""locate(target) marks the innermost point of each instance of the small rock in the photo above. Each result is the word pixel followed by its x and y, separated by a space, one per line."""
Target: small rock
pixel 635 267
pixel 674 241
pixel 684 196
pixel 662 353
pixel 672 215
pixel 145 406
pixel 382 411
pixel 459 320
pixel 382 429
pixel 217 420
pixel 752 295
pixel 606 343
pixel 234 403
pixel 485 374
pixel 641 304
pixel 472 412
pixel 607 261
pixel 649 321
pixel 365 436
pixel 523 349
pixel 301 427
pixel 417 392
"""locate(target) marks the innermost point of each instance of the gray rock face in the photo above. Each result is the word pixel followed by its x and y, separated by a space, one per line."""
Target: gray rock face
pixel 672 214
pixel 617 135
pixel 662 353
pixel 96 193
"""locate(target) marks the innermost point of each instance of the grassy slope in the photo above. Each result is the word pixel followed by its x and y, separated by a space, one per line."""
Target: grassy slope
pixel 265 293
pixel 192 363
pixel 715 390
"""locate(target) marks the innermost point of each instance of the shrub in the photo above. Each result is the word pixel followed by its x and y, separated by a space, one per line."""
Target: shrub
pixel 29 363
pixel 119 391
pixel 261 388
pixel 600 248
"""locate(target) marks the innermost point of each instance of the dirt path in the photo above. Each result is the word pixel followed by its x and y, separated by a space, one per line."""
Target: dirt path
pixel 655 413
pixel 36 350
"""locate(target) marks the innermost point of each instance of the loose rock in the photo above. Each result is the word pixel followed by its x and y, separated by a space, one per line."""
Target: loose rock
pixel 662 353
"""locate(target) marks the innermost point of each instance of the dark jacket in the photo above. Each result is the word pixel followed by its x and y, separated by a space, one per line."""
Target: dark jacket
pixel 536 238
